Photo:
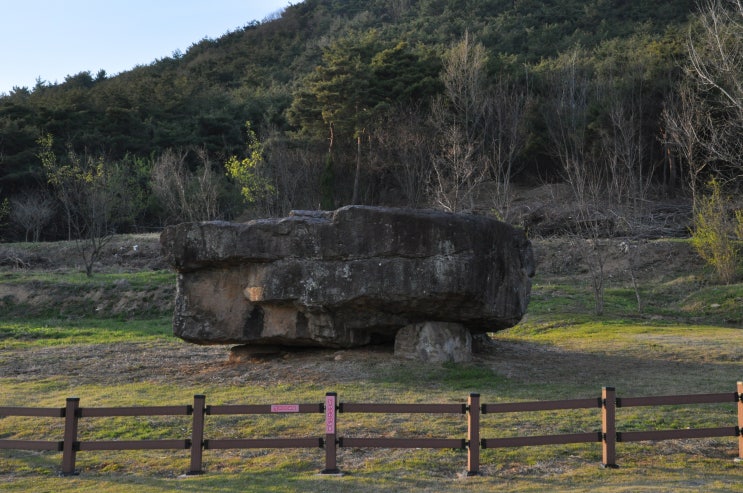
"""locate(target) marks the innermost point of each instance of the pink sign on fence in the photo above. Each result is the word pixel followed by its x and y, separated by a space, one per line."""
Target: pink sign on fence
pixel 285 408
pixel 330 414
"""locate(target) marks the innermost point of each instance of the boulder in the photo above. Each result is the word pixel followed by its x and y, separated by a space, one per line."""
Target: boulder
pixel 345 278
pixel 434 342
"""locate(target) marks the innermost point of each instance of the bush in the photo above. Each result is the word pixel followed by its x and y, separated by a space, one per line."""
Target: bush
pixel 717 234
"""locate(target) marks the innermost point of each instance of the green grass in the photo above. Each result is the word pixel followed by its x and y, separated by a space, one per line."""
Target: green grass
pixel 680 301
pixel 669 466
pixel 56 332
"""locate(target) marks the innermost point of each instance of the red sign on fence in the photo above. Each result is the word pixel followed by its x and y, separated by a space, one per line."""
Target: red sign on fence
pixel 330 414
pixel 285 408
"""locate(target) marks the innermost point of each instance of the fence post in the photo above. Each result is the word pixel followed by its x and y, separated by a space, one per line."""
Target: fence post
pixel 331 466
pixel 197 434
pixel 740 421
pixel 70 445
pixel 609 427
pixel 473 435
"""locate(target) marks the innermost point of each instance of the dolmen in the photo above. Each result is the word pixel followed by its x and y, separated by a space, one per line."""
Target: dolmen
pixel 354 276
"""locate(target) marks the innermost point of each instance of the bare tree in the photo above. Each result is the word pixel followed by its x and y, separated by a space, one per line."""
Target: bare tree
pixel 716 54
pixel 466 90
pixel 457 171
pixel 570 92
pixel 623 147
pixel 685 120
pixel 169 181
pixel 32 211
pixel 187 195
pixel 566 119
pixel 506 137
pixel 716 71
pixel 459 117
pixel 403 146
pixel 208 183
pixel 294 172
pixel 703 122
pixel 4 211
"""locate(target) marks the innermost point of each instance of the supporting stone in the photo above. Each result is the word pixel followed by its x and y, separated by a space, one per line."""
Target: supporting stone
pixel 434 342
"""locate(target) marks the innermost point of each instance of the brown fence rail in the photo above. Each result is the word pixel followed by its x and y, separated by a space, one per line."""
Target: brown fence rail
pixel 474 411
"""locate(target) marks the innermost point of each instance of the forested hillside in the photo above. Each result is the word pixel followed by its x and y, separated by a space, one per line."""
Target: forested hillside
pixel 397 102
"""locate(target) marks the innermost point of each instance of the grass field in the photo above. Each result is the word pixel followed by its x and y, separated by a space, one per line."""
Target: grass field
pixel 687 339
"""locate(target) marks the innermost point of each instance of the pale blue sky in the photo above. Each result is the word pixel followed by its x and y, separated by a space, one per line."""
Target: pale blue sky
pixel 50 39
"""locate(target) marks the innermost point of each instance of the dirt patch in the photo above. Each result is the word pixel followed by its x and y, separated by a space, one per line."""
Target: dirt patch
pixel 177 362
pixel 174 362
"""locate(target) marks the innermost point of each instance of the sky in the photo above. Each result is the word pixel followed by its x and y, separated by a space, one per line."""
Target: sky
pixel 50 39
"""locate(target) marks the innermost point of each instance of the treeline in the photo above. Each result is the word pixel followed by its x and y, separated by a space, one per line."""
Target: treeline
pixel 397 102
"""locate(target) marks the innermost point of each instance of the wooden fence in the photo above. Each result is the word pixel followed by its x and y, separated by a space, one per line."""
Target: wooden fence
pixel 474 411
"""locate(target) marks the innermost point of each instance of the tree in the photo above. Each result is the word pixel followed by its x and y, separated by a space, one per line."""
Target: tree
pixel 57 176
pixel 4 211
pixel 465 88
pixel 685 120
pixel 714 233
pixel 506 138
pixel 187 195
pixel 459 116
pixel 623 148
pixel 404 142
pixel 716 66
pixel 704 121
pixel 566 116
pixel 341 88
pixel 249 173
pixel 570 90
pixel 97 196
pixel 296 173
pixel 32 211
pixel 350 96
pixel 716 53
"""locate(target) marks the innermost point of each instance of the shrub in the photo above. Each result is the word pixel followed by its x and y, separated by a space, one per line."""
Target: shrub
pixel 717 234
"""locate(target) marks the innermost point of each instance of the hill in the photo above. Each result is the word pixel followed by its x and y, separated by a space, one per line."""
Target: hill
pixel 355 74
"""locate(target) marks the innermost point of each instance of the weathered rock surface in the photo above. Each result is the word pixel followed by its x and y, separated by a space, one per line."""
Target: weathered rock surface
pixel 345 278
pixel 434 342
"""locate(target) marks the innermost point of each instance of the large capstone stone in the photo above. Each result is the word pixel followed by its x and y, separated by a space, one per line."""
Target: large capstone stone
pixel 345 278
